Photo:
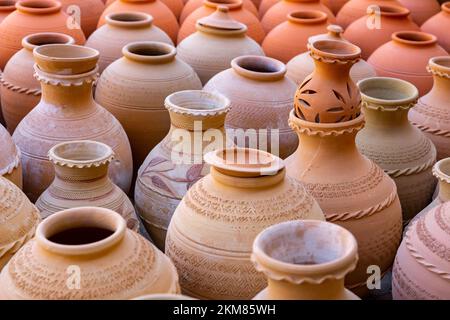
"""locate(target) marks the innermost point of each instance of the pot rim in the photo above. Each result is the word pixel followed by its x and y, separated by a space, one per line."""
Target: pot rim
pixel 387 10
pixel 334 50
pixel 7 5
pixel 439 172
pixel 38 6
pixel 135 19
pixel 105 153
pixel 307 17
pixel 149 52
pixel 212 103
pixel 414 38
pixel 261 68
pixel 435 64
pixel 231 4
pixel 45 38
pixel 446 7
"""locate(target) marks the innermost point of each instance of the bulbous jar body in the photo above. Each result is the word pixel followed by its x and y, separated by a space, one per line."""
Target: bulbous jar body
pixel 10 164
pixel 422 10
pixel 438 26
pixel 176 6
pixel 212 231
pixel 6 7
pixel 334 5
pixel 192 5
pixel 88 11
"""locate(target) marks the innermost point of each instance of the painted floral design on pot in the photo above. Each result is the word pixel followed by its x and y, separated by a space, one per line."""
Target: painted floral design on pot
pixel 439 25
pixel 10 164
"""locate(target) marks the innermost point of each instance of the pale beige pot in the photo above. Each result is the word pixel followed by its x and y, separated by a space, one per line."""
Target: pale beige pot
pixel 211 234
pixel 134 87
pixel 305 260
pixel 399 148
pixel 10 164
pixel 113 261
pixel 164 178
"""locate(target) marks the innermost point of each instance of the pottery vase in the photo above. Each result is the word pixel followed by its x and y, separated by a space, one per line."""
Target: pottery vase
pixel 176 6
pixel 399 148
pixel 305 260
pixel 334 5
pixel 261 98
pixel 421 10
pixel 176 163
pixel 88 11
pixel 203 50
pixel 115 262
pixel 20 91
pixel 192 5
pixel 439 25
pixel 6 7
pixel 65 72
pixel 212 231
pixel 10 164
pixel 147 69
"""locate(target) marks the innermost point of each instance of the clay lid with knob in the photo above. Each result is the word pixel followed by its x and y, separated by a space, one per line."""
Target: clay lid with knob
pixel 230 4
pixel 334 33
pixel 221 20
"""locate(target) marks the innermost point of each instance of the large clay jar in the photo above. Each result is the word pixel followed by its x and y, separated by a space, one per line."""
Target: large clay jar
pixel 20 91
pixel 376 28
pixel 334 5
pixel 163 17
pixel 305 260
pixel 88 13
pixel 439 25
pixel 204 49
pixel 148 69
pixel 261 98
pixel 432 112
pixel 192 5
pixel 66 112
pixel 302 65
pixel 10 165
pixel 34 16
pixel 6 7
pixel 176 6
pixel 236 11
pixel 81 179
pixel 399 148
pixel 176 163
pixel 212 231
pixel 289 38
pixel 113 261
pixel 121 29
pixel 422 268
pixel 388 60
pixel 421 10
pixel 18 220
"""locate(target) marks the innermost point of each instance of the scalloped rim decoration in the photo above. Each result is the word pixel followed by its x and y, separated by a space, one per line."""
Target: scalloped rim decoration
pixel 438 173
pixel 13 165
pixel 214 111
pixel 66 80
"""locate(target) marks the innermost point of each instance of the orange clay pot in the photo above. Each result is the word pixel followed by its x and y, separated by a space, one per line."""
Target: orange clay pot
pixel 121 29
pixel 92 255
pixel 289 38
pixel 176 6
pixel 236 11
pixel 33 16
pixel 334 5
pixel 439 25
pixel 6 7
pixel 88 12
pixel 10 165
pixel 389 59
pixel 163 17
pixel 20 91
pixel 193 5
pixel 376 28
pixel 421 10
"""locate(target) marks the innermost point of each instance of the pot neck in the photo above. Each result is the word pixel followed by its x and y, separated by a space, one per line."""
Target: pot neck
pixel 149 52
pixel 267 181
pixel 386 119
pixel 414 39
pixel 439 67
pixel 129 20
pixel 39 7
pixel 334 289
pixel 441 170
pixel 307 17
pixel 259 68
pixel 7 6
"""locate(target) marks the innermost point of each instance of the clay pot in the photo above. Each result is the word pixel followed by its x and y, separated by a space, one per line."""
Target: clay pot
pixel 289 38
pixel 279 12
pixel 81 179
pixel 176 6
pixel 421 10
pixel 66 72
pixel 375 29
pixel 236 12
pixel 204 49
pixel 18 220
pixel 114 262
pixel 301 66
pixel 164 178
pixel 261 98
pixel 87 11
pixel 6 7
pixel 192 5
pixel 266 5
pixel 432 112
pixel 148 69
pixel 20 91
pixel 400 149
pixel 121 29
pixel 163 17
pixel 439 25
pixel 334 5
pixel 10 165
pixel 388 60
pixel 421 267
pixel 34 16
pixel 212 231
pixel 305 260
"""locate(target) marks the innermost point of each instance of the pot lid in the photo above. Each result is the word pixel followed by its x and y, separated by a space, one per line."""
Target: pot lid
pixel 220 19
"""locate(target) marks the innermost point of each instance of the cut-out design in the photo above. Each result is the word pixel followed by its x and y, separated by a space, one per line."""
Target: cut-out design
pixel 336 109
pixel 305 83
pixel 339 96
pixel 308 91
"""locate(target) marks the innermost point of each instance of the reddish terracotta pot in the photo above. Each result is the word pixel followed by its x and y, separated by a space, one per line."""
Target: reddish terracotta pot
pixel 266 5
pixel 334 5
pixel 421 10
pixel 10 165
pixel 33 16
pixel 6 7
pixel 193 5
pixel 388 60
pixel 176 6
pixel 88 11
pixel 376 28
pixel 439 25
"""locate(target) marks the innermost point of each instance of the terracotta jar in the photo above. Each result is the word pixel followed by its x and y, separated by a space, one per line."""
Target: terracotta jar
pixel 147 69
pixel 163 17
pixel 399 148
pixel 305 260
pixel 192 5
pixel 81 179
pixel 439 25
pixel 375 29
pixel 204 49
pixel 334 5
pixel 289 38
pixel 18 220
pixel 34 16
pixel 20 91
pixel 432 112
pixel 388 60
pixel 261 98
pixel 88 13
pixel 302 65
pixel 176 163
pixel 65 72
pixel 121 29
pixel 279 12
pixel 176 6
pixel 86 253
pixel 421 10
pixel 236 11
pixel 421 269
pixel 6 7
pixel 10 165
pixel 212 231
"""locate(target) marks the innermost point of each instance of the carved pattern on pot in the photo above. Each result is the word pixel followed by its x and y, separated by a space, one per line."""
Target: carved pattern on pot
pixel 15 88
